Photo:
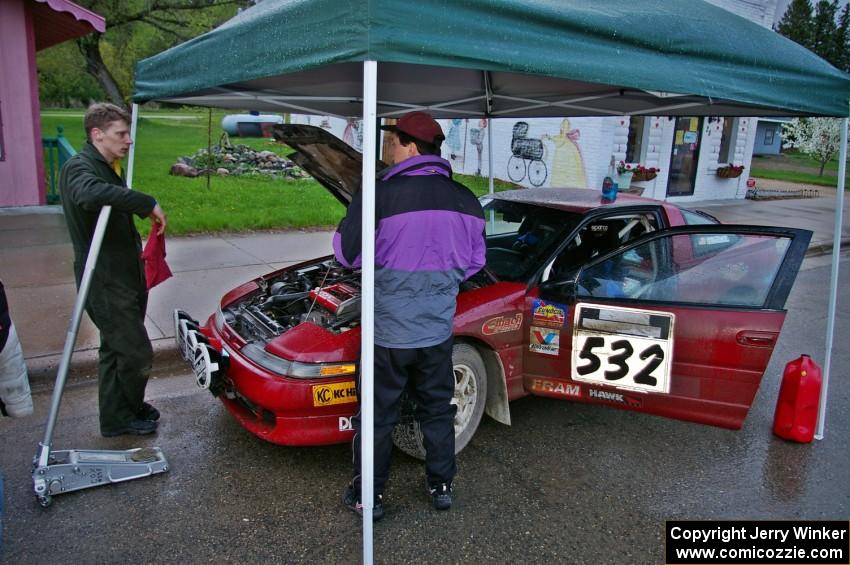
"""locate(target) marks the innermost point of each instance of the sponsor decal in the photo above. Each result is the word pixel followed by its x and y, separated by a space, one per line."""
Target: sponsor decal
pixel 502 324
pixel 615 397
pixel 334 393
pixel 548 314
pixel 544 340
pixel 345 424
pixel 561 389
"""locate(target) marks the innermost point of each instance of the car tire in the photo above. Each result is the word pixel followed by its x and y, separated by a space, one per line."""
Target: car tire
pixel 470 398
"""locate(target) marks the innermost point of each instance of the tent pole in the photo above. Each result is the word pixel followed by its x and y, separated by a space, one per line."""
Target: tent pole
pixel 490 169
pixel 833 285
pixel 131 158
pixel 367 320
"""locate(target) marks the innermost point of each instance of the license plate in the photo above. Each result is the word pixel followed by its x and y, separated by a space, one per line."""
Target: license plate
pixel 626 348
pixel 202 364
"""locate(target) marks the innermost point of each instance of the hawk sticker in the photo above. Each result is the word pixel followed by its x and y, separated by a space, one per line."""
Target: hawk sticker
pixel 544 340
pixel 548 314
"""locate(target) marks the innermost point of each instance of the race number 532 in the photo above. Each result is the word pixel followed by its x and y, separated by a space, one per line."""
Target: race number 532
pixel 623 347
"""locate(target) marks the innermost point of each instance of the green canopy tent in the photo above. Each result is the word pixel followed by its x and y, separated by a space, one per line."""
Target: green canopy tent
pixel 492 58
pixel 516 58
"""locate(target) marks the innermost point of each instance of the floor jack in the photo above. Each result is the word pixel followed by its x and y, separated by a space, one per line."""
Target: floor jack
pixel 58 472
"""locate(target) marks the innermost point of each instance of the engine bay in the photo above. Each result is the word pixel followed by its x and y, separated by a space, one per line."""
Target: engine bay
pixel 324 293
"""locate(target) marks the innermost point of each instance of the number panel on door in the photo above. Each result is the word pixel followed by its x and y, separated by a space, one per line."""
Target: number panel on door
pixel 626 348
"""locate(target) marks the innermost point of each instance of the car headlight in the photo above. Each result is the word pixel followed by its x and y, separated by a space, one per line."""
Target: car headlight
pixel 295 369
pixel 219 320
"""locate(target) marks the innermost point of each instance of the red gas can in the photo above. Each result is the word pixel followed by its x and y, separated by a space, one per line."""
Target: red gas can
pixel 797 406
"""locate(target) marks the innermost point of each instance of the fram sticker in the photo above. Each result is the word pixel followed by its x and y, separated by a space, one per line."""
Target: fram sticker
pixel 558 388
pixel 334 393
pixel 502 324
pixel 548 314
pixel 544 340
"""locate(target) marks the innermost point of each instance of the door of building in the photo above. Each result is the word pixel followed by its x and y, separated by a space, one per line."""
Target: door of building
pixel 683 158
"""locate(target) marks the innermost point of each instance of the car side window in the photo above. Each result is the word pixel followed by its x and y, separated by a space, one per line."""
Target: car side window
pixel 597 238
pixel 698 269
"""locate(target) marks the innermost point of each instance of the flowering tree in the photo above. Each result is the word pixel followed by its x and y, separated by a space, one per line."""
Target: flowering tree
pixel 820 138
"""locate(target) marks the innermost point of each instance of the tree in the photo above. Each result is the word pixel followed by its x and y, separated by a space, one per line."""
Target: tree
pixel 137 29
pixel 796 23
pixel 820 138
pixel 825 31
pixel 842 40
pixel 819 31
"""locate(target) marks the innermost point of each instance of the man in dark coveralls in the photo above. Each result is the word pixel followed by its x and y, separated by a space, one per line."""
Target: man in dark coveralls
pixel 118 295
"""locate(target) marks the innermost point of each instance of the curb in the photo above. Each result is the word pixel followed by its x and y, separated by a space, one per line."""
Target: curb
pixel 42 370
pixel 817 249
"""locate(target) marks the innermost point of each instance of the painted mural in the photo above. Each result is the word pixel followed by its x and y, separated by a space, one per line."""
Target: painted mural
pixel 567 162
pixel 527 154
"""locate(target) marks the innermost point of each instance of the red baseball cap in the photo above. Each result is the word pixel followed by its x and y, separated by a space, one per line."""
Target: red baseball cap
pixel 421 126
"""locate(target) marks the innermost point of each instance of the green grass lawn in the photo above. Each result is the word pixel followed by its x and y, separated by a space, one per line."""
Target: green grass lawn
pixel 230 203
pixel 797 167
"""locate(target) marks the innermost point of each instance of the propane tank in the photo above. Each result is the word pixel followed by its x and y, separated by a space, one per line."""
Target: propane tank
pixel 799 395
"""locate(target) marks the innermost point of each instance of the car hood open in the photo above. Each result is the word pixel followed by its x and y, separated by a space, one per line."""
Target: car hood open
pixel 328 159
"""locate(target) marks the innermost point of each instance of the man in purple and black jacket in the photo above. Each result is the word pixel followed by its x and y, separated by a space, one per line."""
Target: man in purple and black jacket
pixel 429 237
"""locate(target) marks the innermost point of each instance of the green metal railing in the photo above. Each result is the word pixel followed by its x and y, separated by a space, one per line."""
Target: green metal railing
pixel 57 150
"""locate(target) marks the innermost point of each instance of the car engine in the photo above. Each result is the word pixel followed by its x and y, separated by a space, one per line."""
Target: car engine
pixel 326 294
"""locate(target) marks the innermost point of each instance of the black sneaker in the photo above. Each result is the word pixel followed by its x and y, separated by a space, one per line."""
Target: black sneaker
pixel 441 495
pixel 134 427
pixel 351 498
pixel 148 413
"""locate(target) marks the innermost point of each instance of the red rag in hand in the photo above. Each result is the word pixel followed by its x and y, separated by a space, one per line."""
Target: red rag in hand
pixel 156 269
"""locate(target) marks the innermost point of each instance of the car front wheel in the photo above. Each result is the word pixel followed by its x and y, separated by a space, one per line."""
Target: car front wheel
pixel 470 397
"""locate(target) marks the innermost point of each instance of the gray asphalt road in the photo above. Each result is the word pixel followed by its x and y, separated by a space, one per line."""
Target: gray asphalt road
pixel 566 483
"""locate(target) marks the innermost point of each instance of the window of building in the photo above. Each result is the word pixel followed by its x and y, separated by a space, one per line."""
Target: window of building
pixel 635 143
pixel 727 140
pixel 769 133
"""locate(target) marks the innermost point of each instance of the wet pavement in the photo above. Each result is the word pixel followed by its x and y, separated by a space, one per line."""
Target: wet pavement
pixel 566 483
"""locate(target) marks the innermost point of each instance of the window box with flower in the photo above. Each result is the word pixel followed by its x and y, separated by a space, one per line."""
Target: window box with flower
pixel 628 172
pixel 730 171
pixel 642 174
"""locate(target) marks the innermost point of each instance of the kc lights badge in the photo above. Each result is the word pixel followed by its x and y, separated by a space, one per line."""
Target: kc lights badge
pixel 548 314
pixel 544 340
pixel 334 393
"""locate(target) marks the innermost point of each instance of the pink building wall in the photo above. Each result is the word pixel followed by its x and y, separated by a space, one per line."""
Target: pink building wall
pixel 22 164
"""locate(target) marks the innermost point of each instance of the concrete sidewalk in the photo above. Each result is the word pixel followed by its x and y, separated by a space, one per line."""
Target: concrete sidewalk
pixel 36 267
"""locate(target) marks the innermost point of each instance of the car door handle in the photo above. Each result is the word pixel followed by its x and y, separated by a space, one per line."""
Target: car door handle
pixel 757 339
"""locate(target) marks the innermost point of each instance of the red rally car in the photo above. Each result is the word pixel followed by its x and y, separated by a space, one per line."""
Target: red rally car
pixel 634 304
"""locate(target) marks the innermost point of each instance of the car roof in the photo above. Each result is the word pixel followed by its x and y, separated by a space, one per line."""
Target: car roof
pixel 579 200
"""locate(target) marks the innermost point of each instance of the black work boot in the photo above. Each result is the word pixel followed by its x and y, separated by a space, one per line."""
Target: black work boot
pixel 441 495
pixel 351 498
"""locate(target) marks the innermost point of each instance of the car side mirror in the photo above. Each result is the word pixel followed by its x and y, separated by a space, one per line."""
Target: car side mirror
pixel 561 290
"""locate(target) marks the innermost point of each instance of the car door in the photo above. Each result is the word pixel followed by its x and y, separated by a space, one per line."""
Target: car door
pixel 680 322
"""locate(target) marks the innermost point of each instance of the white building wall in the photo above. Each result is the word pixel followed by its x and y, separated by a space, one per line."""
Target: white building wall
pixel 762 12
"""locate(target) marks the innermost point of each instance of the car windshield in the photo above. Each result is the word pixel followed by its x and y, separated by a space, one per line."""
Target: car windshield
pixel 521 236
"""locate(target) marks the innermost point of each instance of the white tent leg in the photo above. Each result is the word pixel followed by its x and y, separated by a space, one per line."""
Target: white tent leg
pixel 833 285
pixel 367 320
pixel 131 158
pixel 490 169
